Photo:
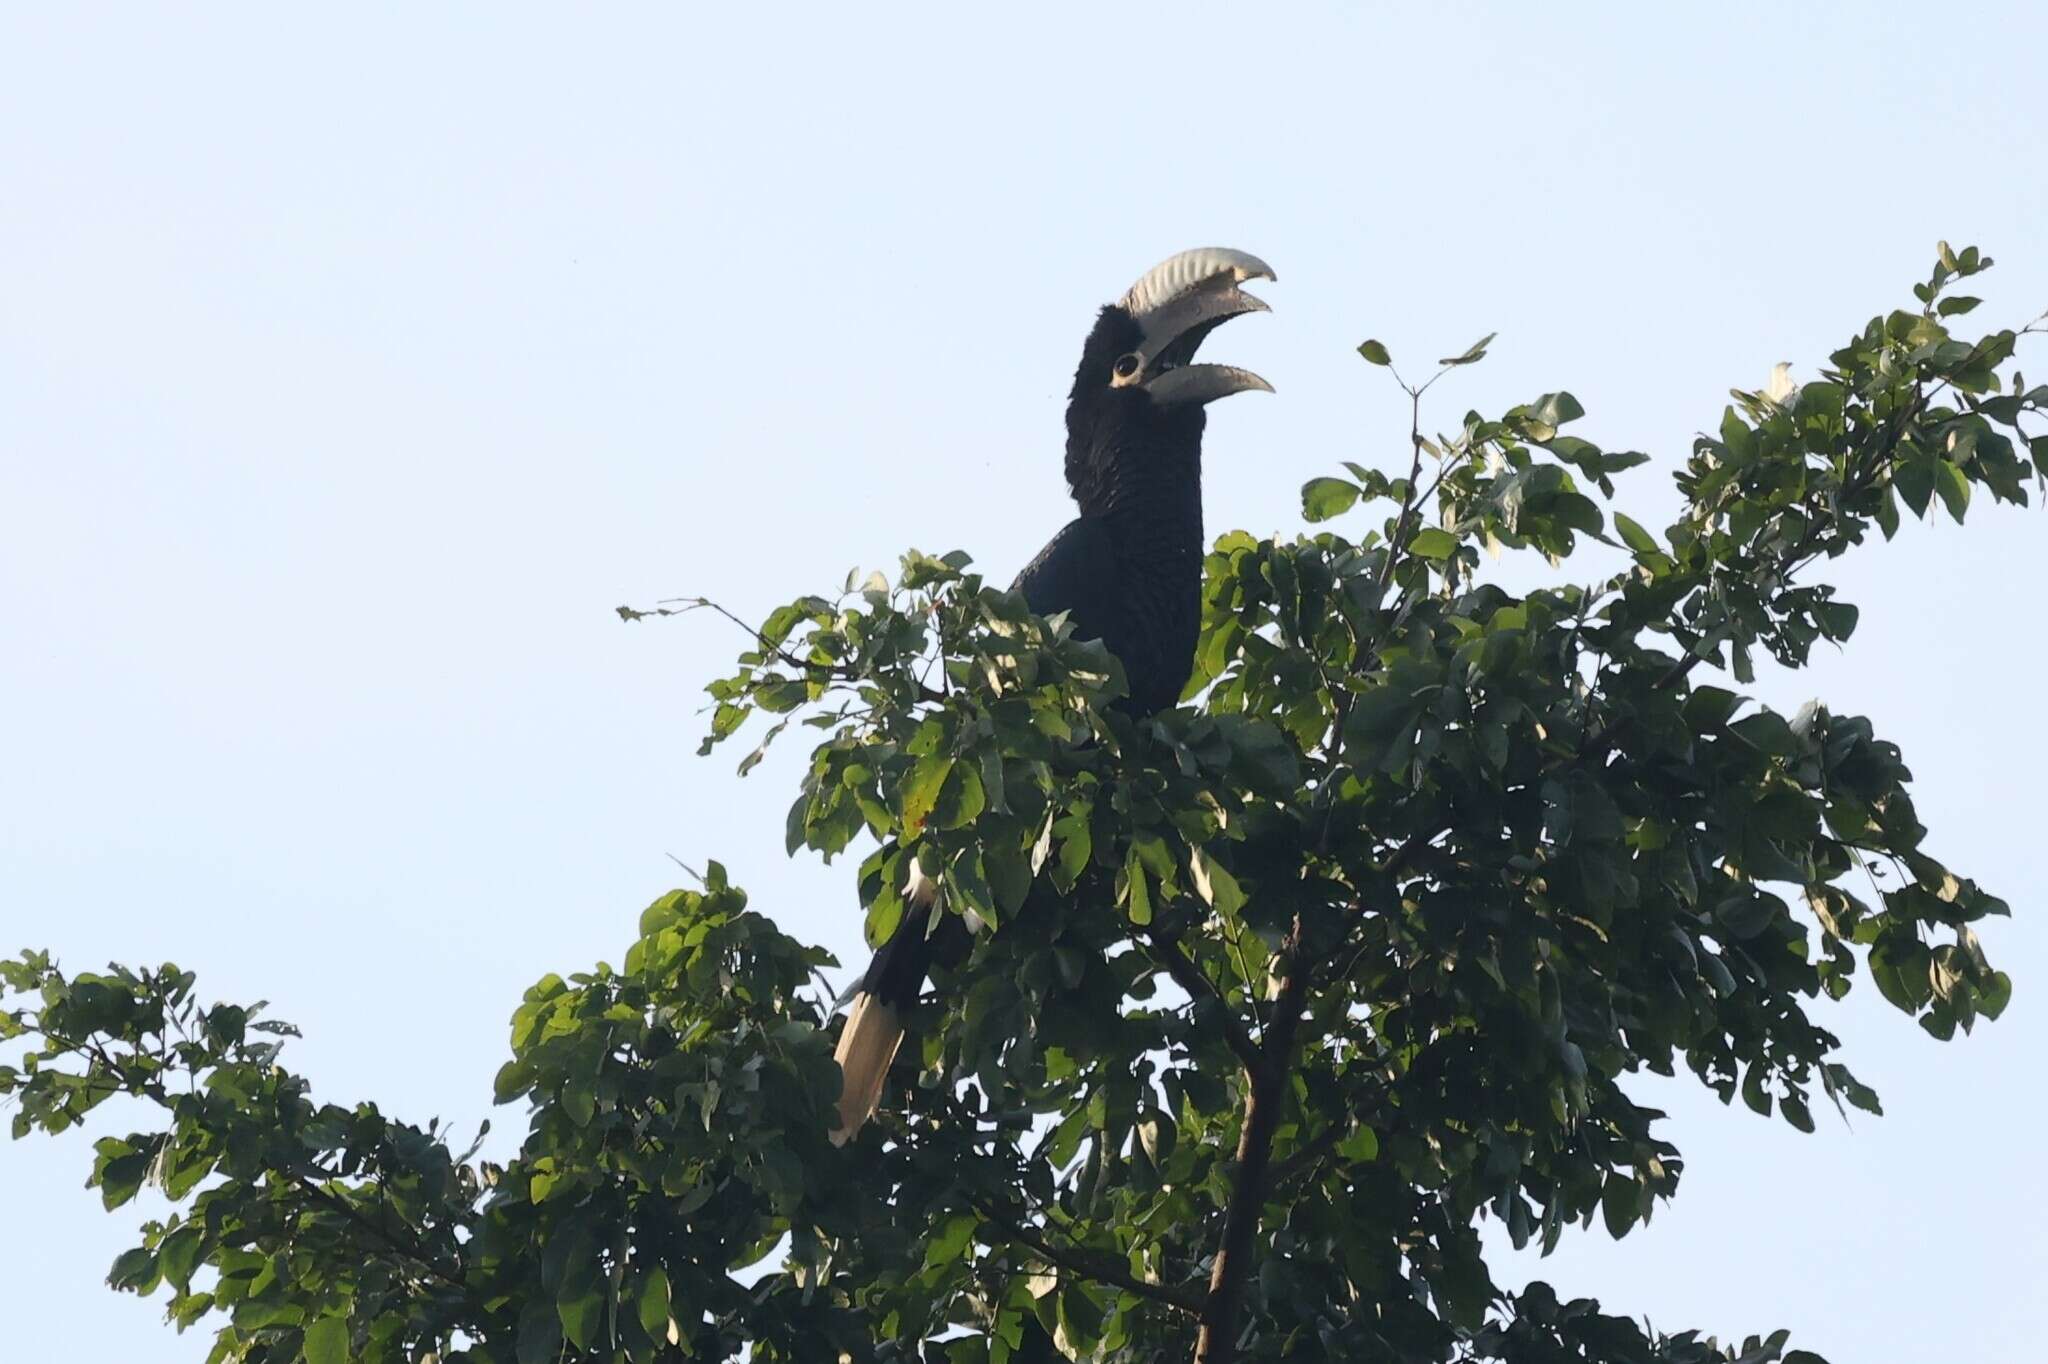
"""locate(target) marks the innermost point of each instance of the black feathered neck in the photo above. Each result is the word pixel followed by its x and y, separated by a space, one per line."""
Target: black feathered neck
pixel 1125 454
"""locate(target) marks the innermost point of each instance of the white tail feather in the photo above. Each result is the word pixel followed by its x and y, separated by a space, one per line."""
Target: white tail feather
pixel 867 1045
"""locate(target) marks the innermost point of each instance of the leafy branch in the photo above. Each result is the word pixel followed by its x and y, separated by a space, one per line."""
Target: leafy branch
pixel 1492 850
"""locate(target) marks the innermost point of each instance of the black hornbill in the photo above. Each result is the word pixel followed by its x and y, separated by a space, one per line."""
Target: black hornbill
pixel 1128 568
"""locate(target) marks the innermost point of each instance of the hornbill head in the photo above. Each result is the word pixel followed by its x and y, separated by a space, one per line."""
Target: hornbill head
pixel 1143 345
pixel 1137 408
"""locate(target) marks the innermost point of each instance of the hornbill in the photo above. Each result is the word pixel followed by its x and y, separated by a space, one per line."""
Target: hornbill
pixel 1127 570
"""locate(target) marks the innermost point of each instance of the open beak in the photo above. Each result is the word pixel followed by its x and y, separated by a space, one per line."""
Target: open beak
pixel 1176 304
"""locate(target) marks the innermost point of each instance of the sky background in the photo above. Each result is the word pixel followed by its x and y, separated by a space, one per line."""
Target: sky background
pixel 354 367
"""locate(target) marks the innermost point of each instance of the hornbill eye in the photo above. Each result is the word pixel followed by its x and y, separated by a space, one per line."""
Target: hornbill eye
pixel 1127 366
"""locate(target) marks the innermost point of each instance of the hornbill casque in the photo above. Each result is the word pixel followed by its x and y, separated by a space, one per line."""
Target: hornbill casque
pixel 1128 569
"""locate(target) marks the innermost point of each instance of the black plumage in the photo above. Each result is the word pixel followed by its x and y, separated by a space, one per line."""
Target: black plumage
pixel 1127 569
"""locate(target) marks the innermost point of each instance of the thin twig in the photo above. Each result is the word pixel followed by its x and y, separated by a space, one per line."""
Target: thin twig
pixel 1166 951
pixel 1234 935
pixel 1411 501
pixel 789 660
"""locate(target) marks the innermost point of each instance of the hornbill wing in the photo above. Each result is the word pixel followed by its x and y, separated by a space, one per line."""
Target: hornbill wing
pixel 1075 570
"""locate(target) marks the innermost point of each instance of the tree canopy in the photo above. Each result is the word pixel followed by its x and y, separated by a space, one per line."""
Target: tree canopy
pixel 1288 989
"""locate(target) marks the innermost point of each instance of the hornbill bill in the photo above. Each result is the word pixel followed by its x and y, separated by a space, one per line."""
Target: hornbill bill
pixel 1128 569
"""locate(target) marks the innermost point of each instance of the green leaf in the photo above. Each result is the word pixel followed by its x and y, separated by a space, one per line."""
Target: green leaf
pixel 1579 512
pixel 1215 884
pixel 950 1242
pixel 540 1333
pixel 1994 995
pixel 1323 498
pixel 178 1256
pixel 1767 732
pixel 1472 353
pixel 1737 438
pixel 962 797
pixel 1363 1144
pixel 1914 479
pixel 1556 409
pixel 1635 537
pixel 884 915
pixel 1717 975
pixel 580 1305
pixel 1432 543
pixel 1374 353
pixel 651 1303
pixel 1888 514
pixel 579 1100
pixel 1077 846
pixel 1748 915
pixel 1755 1092
pixel 920 795
pixel 1953 487
pixel 133 1270
pixel 119 1170
pixel 1619 1204
pixel 327 1341
pixel 1709 707
pixel 1138 903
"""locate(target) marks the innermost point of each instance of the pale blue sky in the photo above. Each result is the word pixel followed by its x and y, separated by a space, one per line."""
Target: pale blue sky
pixel 352 370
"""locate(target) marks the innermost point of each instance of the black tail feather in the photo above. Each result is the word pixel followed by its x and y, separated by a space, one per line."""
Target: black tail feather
pixel 888 992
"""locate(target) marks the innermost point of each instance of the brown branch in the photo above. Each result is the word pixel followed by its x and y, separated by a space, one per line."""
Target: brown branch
pixel 1088 1264
pixel 122 1080
pixel 1265 1095
pixel 355 1215
pixel 1304 1158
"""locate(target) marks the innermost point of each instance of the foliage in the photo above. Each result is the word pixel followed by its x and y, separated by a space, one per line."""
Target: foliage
pixel 1288 988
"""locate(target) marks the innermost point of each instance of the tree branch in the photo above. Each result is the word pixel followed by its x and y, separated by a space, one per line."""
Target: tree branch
pixel 1265 1096
pixel 355 1215
pixel 1412 501
pixel 122 1080
pixel 1088 1264
pixel 1305 1158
